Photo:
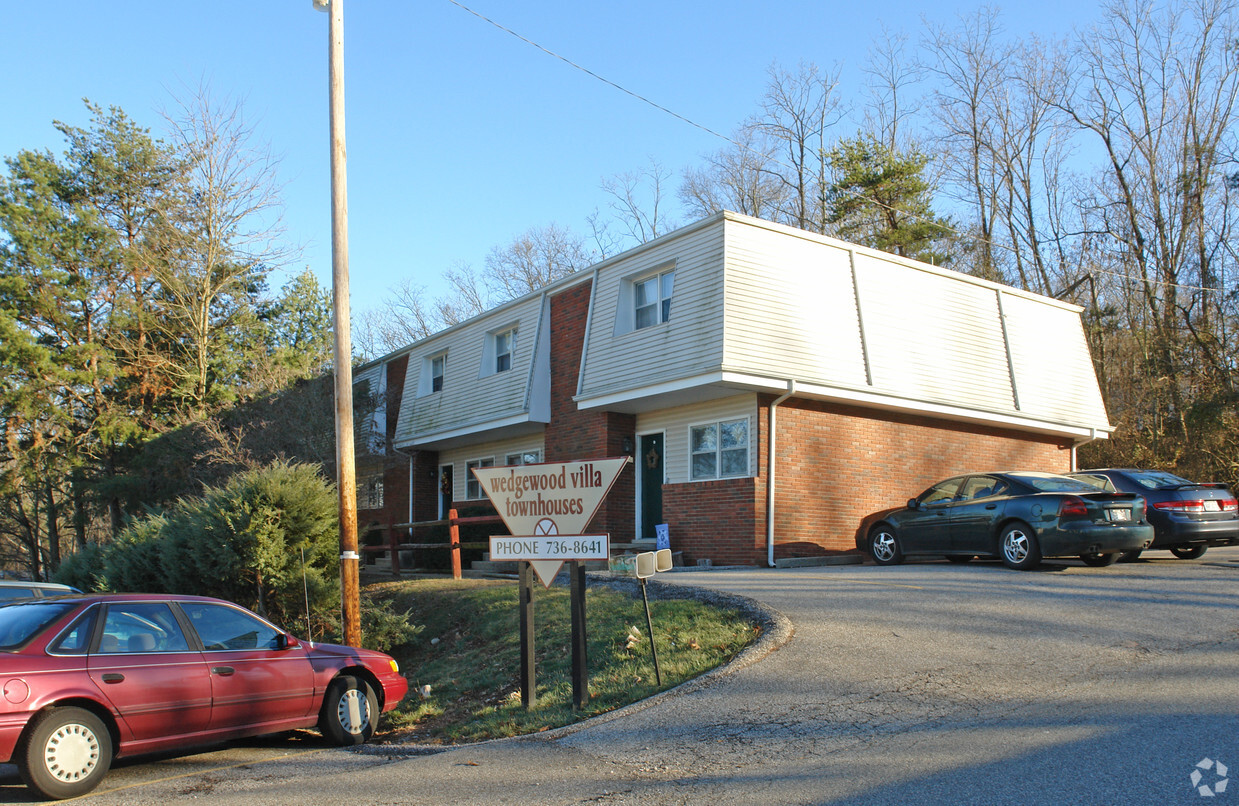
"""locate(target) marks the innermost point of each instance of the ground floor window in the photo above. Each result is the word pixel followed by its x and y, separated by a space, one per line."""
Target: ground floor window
pixel 720 450
pixel 473 489
pixel 523 458
pixel 370 492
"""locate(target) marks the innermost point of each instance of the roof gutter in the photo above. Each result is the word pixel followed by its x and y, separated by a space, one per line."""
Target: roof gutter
pixel 771 464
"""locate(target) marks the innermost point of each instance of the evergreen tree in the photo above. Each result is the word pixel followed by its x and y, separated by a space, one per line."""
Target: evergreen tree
pixel 879 198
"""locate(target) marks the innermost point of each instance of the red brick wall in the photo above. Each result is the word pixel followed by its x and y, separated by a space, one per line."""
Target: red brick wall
pixel 837 464
pixel 574 434
pixel 723 521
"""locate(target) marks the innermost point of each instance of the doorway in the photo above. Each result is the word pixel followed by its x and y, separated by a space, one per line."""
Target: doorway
pixel 649 484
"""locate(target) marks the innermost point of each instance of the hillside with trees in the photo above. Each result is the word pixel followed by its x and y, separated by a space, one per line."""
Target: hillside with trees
pixel 143 355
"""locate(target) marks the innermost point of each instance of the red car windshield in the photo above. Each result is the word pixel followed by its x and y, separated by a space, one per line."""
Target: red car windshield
pixel 20 622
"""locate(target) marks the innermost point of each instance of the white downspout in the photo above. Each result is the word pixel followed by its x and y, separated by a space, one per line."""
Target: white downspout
pixel 770 468
pixel 1092 437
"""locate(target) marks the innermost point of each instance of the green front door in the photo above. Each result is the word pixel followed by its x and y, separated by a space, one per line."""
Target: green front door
pixel 650 472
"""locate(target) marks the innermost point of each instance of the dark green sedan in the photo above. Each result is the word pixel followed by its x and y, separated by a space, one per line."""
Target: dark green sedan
pixel 1017 516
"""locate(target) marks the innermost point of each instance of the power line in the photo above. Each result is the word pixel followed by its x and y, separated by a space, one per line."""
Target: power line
pixel 1130 279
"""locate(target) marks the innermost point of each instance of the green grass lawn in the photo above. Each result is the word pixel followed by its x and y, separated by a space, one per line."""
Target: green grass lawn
pixel 468 653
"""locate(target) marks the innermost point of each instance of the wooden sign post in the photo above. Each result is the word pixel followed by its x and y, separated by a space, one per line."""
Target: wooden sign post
pixel 547 507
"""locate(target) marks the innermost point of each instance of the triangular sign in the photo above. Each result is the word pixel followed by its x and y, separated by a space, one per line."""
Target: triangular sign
pixel 546 570
pixel 551 498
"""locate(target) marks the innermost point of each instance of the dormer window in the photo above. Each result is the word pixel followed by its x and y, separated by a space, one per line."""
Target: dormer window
pixel 652 299
pixel 505 345
pixel 437 365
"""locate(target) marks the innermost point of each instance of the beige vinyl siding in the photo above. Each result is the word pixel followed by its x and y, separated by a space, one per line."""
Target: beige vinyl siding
pixel 676 422
pixel 933 337
pixel 472 396
pixel 791 309
pixel 1054 375
pixel 687 345
pixel 497 450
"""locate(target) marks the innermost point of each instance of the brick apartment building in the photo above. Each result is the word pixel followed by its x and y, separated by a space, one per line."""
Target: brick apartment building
pixel 773 387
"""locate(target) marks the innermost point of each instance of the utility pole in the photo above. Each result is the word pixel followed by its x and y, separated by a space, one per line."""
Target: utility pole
pixel 346 468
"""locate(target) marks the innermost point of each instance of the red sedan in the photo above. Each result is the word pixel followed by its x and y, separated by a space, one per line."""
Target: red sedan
pixel 89 678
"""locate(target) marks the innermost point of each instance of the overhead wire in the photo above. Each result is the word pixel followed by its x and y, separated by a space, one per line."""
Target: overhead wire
pixel 643 99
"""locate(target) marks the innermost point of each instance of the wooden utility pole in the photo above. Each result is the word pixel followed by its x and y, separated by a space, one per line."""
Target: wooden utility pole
pixel 346 468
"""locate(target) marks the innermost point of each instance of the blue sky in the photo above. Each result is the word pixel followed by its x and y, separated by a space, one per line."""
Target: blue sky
pixel 460 137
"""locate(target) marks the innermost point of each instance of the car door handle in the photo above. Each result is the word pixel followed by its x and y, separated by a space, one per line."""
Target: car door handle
pixel 113 677
pixel 991 506
pixel 222 671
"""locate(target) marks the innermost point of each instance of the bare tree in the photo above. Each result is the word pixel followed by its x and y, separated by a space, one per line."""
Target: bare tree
pixel 1157 91
pixel 212 259
pixel 968 65
pixel 798 111
pixel 637 201
pixel 891 74
pixel 740 177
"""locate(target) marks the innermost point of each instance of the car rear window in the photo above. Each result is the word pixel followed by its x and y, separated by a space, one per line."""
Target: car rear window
pixel 1159 480
pixel 1049 483
pixel 20 622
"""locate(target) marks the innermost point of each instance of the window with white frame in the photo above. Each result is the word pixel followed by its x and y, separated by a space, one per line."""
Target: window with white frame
pixel 719 450
pixel 473 488
pixel 438 364
pixel 505 346
pixel 652 299
pixel 523 458
pixel 370 492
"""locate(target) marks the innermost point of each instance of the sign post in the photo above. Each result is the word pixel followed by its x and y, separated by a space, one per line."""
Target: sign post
pixel 546 508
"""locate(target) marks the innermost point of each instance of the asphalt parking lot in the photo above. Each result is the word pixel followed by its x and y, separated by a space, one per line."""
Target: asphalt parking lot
pixel 919 683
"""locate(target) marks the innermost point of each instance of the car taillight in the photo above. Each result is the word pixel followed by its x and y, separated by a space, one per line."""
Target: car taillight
pixel 1180 506
pixel 1229 505
pixel 1072 506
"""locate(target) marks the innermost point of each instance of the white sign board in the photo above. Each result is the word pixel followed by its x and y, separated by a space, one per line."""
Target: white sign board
pixel 555 499
pixel 557 547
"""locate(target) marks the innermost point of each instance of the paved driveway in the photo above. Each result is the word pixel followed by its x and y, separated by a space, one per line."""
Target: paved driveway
pixel 921 683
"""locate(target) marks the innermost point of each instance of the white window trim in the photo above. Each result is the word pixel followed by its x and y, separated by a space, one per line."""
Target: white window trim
pixel 490 351
pixel 370 492
pixel 425 380
pixel 718 451
pixel 626 312
pixel 471 480
pixel 536 453
pixel 659 301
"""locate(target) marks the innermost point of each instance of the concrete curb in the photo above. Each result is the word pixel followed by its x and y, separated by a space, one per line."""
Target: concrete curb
pixel 776 631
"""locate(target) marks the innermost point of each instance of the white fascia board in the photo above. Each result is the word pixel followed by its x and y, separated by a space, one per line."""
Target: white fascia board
pixel 667 387
pixel 466 430
pixel 911 406
pixel 855 397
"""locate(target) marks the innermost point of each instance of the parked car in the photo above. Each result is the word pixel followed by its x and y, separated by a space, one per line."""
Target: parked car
pixel 90 678
pixel 1017 516
pixel 23 589
pixel 1188 517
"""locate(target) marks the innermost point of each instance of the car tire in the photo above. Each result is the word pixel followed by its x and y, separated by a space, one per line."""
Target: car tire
pixel 1129 556
pixel 884 546
pixel 1018 546
pixel 350 711
pixel 1100 560
pixel 65 753
pixel 1189 552
pixel 959 559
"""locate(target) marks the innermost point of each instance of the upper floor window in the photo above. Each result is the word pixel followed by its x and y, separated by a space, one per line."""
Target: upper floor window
pixel 437 365
pixel 652 299
pixel 473 488
pixel 720 450
pixel 505 345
